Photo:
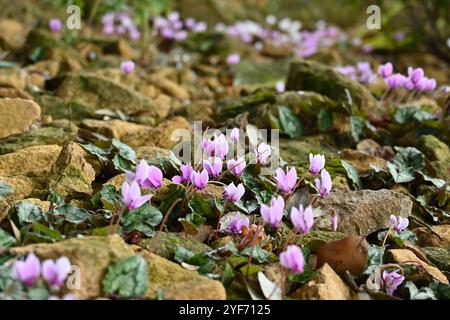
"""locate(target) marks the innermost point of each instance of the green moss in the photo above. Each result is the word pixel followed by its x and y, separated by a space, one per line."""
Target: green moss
pixel 57 133
pixel 167 243
pixel 440 257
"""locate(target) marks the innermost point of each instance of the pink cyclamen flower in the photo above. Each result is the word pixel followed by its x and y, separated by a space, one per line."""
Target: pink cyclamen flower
pixel 127 66
pixel 263 152
pixel 280 87
pixel 286 181
pixel 186 170
pixel 236 166
pixel 27 271
pixel 132 195
pixel 334 221
pixel 273 214
pixel 199 179
pixel 398 224
pixel 395 81
pixel 302 219
pixel 385 70
pixel 55 25
pixel 293 259
pixel 391 281
pixel 55 272
pixel 233 59
pixel 213 165
pixel 217 147
pixel 324 184
pixel 233 193
pixel 237 222
pixel 234 135
pixel 415 74
pixel 154 179
pixel 316 163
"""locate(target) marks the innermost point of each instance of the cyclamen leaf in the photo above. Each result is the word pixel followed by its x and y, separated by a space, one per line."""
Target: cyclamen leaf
pixel 72 214
pixel 128 278
pixel 26 212
pixel 124 150
pixel 142 219
pixel 352 174
pixel 6 240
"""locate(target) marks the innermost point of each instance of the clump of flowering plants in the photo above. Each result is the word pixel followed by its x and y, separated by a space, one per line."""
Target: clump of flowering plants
pixel 227 191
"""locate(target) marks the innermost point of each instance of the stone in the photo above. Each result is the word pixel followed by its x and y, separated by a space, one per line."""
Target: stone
pixel 170 87
pixel 92 255
pixel 102 93
pixel 13 34
pixel 440 257
pixel 17 115
pixel 112 128
pixel 58 132
pixel 166 244
pixel 160 136
pixel 425 238
pixel 407 256
pixel 30 161
pixel 313 76
pixel 177 283
pixel 71 173
pixel 362 212
pixel 438 153
pixel 328 286
pixel 14 93
pixel 60 109
pixel 150 153
pixel 13 77
pixel 362 161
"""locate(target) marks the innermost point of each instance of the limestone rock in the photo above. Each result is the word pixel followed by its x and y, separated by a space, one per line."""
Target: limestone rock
pixel 438 153
pixel 178 283
pixel 313 76
pixel 17 115
pixel 30 161
pixel 112 128
pixel 14 93
pixel 166 244
pixel 170 87
pixel 362 212
pixel 102 93
pixel 425 238
pixel 71 173
pixel 160 136
pixel 328 286
pixel 407 256
pixel 58 132
pixel 440 257
pixel 13 77
pixel 13 34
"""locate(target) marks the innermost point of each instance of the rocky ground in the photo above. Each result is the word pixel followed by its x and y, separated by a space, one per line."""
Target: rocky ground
pixel 73 120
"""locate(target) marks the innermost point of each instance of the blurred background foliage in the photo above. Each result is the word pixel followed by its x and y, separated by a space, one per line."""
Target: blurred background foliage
pixel 425 22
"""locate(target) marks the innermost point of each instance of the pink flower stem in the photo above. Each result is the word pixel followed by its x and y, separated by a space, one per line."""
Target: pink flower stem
pixel 253 244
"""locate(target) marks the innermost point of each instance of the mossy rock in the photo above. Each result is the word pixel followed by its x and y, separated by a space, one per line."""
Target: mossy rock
pixel 166 244
pixel 71 173
pixel 313 76
pixel 58 132
pixel 231 108
pixel 58 108
pixel 102 93
pixel 437 152
pixel 440 257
